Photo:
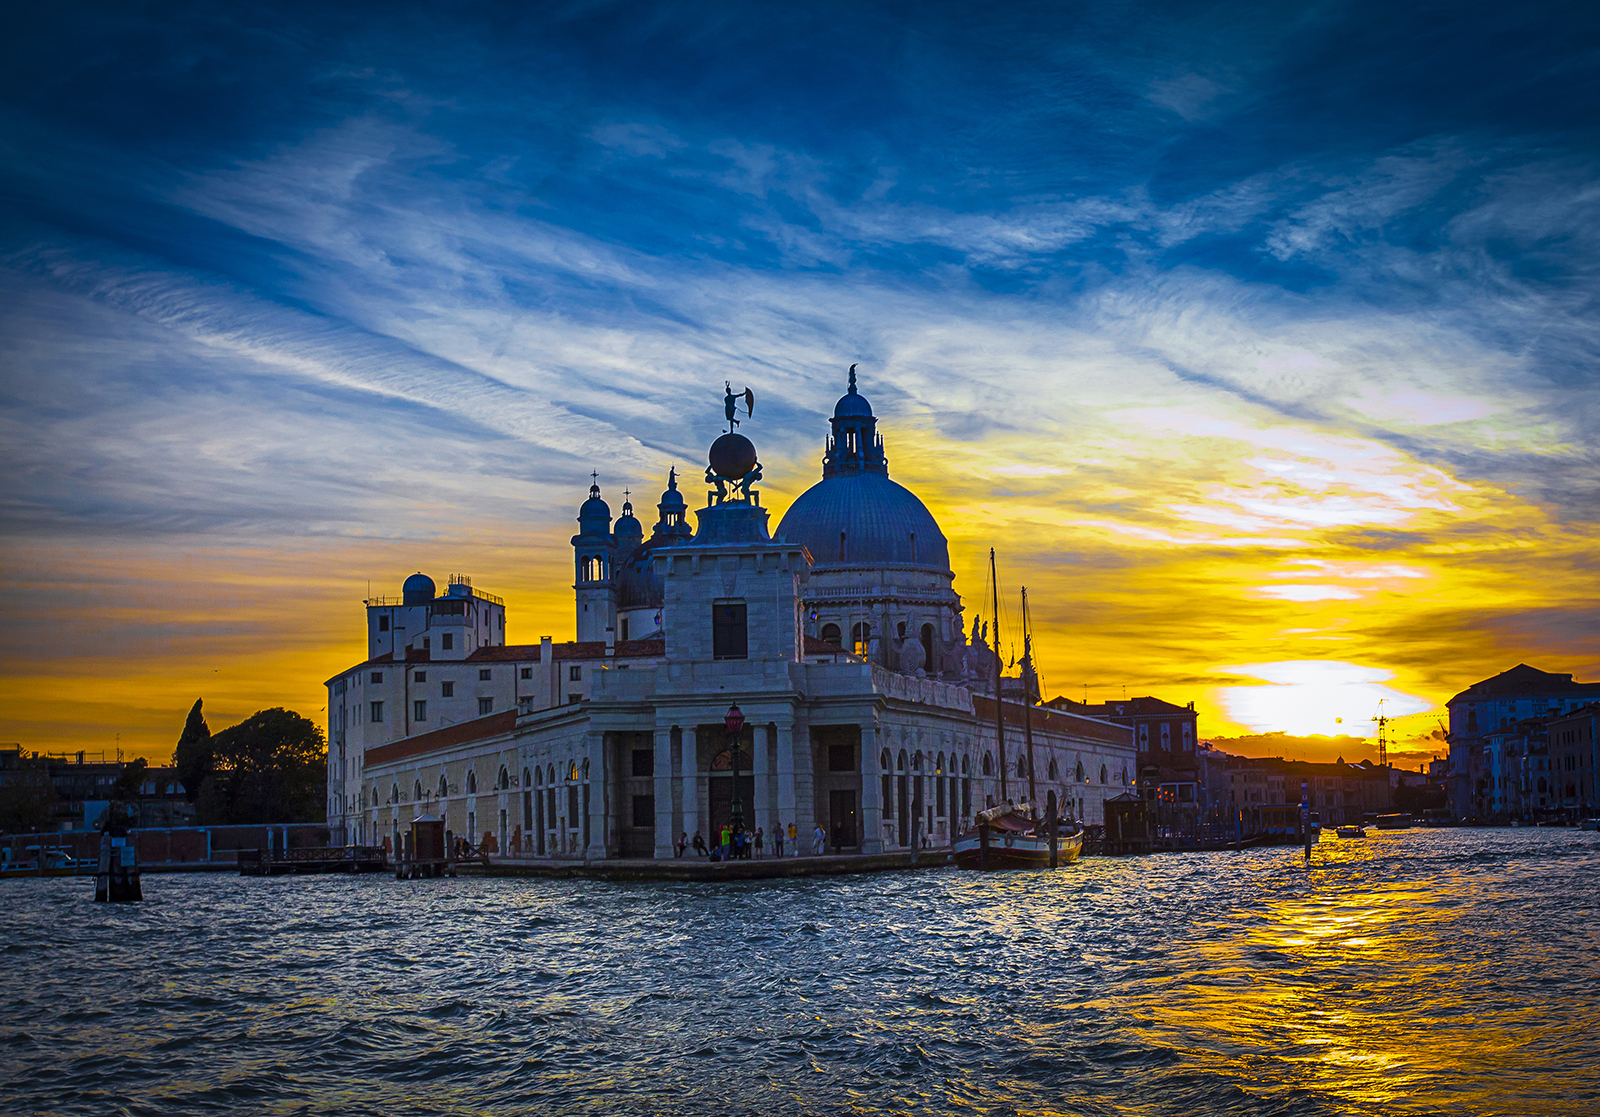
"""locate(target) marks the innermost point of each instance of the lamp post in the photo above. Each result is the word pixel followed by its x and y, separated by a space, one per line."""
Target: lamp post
pixel 733 721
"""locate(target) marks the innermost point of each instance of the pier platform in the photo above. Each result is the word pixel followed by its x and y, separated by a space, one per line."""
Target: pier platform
pixel 699 869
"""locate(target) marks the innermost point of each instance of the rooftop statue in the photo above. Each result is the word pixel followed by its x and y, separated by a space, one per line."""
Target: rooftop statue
pixel 730 404
pixel 733 465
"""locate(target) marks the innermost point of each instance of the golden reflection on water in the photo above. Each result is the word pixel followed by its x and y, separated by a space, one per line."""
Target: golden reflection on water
pixel 1358 985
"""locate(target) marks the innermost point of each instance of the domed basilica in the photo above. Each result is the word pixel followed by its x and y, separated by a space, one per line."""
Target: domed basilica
pixel 814 678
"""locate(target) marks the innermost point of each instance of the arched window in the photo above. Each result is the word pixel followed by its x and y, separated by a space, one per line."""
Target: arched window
pixel 1080 771
pixel 586 767
pixel 1102 773
pixel 1053 771
pixel 527 778
pixel 416 792
pixel 394 793
pixel 472 782
pixel 966 765
pixel 860 633
pixel 916 761
pixel 1122 778
pixel 927 648
pixel 988 765
pixel 538 777
pixel 884 762
pixel 938 768
pixel 444 786
pixel 504 780
pixel 830 634
pixel 903 760
pixel 551 776
pixel 1022 765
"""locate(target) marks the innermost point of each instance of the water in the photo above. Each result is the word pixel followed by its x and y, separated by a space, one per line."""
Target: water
pixel 1417 972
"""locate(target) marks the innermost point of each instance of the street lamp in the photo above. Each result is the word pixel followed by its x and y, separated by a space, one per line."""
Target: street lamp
pixel 733 721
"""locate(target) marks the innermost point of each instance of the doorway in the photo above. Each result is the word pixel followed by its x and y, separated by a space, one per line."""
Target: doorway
pixel 842 820
pixel 719 791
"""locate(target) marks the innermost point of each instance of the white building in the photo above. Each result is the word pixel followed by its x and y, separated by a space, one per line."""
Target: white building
pixel 839 638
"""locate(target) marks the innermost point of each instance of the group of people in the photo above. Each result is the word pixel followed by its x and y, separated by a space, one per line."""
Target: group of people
pixel 739 844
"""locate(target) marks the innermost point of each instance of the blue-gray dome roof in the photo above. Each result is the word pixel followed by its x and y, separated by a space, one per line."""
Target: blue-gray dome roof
pixel 878 517
pixel 851 404
pixel 418 589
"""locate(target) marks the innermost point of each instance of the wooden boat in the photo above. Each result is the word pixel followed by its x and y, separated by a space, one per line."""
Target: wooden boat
pixel 1394 822
pixel 1351 832
pixel 1008 837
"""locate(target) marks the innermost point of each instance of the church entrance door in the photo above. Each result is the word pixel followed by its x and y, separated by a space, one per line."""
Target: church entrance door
pixel 842 820
pixel 720 793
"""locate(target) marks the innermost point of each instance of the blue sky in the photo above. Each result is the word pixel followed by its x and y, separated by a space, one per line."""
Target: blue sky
pixel 303 295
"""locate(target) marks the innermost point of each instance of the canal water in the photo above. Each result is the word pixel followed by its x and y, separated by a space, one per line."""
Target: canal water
pixel 1418 972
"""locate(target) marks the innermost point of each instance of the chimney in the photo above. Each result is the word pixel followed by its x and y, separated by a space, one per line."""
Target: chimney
pixel 547 660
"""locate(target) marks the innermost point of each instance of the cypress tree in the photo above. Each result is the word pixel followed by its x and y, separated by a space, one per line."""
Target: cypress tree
pixel 193 757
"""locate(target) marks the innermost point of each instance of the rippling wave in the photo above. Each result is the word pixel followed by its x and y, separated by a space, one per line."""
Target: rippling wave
pixel 1417 972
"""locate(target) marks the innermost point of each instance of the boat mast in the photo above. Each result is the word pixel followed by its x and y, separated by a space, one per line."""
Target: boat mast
pixel 999 709
pixel 1027 699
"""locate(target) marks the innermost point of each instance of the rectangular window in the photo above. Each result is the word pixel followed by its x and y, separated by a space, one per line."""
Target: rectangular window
pixel 730 637
pixel 644 811
pixel 938 798
pixel 841 758
pixel 574 674
pixel 383 622
pixel 624 628
pixel 376 711
pixel 377 676
pixel 447 641
pixel 419 710
pixel 644 762
pixel 419 676
pixel 483 674
pixel 447 690
pixel 574 699
pixel 485 706
pixel 527 672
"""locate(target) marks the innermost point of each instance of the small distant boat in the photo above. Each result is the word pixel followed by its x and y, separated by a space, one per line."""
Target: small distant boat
pixel 1008 837
pixel 1394 822
pixel 1589 824
pixel 1351 832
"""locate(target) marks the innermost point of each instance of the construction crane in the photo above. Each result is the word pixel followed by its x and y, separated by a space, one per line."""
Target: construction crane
pixel 1383 735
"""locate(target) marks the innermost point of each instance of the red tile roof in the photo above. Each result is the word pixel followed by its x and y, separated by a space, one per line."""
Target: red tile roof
pixel 475 730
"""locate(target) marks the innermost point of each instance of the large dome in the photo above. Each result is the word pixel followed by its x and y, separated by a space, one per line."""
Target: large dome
pixel 883 523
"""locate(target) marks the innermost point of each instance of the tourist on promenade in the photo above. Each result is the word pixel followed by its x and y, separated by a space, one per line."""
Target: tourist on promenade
pixel 777 840
pixel 683 843
pixel 794 839
pixel 727 841
pixel 819 841
pixel 699 844
pixel 760 841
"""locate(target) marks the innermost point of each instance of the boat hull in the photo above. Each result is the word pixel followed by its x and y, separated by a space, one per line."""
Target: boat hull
pixel 1014 851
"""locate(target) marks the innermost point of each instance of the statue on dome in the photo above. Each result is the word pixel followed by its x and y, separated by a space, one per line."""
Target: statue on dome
pixel 730 403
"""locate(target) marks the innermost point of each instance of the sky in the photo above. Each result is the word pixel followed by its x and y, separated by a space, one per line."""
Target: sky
pixel 1259 340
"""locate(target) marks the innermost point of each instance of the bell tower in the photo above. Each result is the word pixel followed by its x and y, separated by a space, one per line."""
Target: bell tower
pixel 594 553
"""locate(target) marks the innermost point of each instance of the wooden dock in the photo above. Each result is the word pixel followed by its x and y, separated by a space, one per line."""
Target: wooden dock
pixel 297 862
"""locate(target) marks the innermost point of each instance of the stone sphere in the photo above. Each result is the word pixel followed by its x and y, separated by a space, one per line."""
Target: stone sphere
pixel 732 456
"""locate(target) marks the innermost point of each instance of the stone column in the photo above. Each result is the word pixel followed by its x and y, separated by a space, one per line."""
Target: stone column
pixel 871 789
pixel 691 783
pixel 787 810
pixel 663 785
pixel 805 783
pixel 762 807
pixel 602 817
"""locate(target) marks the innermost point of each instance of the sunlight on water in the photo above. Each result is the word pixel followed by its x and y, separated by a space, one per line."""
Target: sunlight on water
pixel 1419 972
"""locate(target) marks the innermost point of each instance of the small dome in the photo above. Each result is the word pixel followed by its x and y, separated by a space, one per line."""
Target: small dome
pixel 627 523
pixel 418 589
pixel 594 508
pixel 852 405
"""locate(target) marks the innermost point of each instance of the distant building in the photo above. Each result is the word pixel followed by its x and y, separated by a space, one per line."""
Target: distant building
pixel 1484 724
pixel 1174 764
pixel 72 790
pixel 1575 760
pixel 1266 790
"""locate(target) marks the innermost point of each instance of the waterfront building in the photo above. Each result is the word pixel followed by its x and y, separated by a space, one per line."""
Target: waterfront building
pixel 1483 723
pixel 867 709
pixel 1174 764
pixel 1266 791
pixel 1575 759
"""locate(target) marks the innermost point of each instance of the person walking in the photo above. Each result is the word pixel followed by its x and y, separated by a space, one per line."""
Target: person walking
pixel 777 840
pixel 794 839
pixel 699 844
pixel 761 839
pixel 819 841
